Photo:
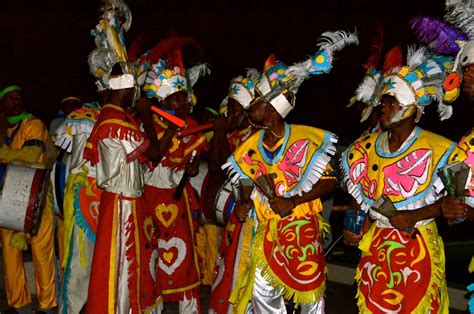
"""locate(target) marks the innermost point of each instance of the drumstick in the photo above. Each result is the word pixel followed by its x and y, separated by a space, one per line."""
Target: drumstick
pixel 168 116
pixel 197 129
pixel 179 189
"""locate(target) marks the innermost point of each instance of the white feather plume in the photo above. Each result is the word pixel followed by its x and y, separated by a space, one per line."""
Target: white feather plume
pixel 335 41
pixel 366 89
pixel 461 15
pixel 196 72
pixel 298 73
pixel 416 56
pixel 444 111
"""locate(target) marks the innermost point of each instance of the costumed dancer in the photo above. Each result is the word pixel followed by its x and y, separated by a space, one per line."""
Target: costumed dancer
pixel 168 193
pixel 232 130
pixel 393 177
pixel 81 199
pixel 456 38
pixel 123 276
pixel 25 140
pixel 290 166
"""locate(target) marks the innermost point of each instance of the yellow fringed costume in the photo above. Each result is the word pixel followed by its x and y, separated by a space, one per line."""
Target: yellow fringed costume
pixel 287 252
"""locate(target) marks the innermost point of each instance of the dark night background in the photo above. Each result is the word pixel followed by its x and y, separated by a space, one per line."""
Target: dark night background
pixel 45 46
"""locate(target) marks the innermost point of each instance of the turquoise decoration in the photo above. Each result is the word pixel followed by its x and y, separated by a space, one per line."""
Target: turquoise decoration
pixel 322 63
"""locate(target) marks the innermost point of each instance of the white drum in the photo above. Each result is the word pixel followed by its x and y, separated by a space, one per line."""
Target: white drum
pixel 22 195
pixel 224 203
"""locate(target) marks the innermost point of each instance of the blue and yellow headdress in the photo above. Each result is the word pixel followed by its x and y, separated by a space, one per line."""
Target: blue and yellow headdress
pixel 279 83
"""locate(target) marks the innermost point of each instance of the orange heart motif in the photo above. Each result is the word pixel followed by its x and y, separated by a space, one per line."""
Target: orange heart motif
pixel 166 214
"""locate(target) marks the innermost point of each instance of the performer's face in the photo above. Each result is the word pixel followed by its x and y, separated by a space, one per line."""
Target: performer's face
pixel 468 81
pixel 257 111
pixel 179 101
pixel 12 103
pixel 390 108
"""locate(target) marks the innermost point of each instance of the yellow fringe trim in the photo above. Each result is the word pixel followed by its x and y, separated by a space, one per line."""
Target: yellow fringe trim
pixel 69 221
pixel 19 240
pixel 437 286
pixel 471 266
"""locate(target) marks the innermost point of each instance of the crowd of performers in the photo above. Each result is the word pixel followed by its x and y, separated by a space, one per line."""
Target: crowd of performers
pixel 145 207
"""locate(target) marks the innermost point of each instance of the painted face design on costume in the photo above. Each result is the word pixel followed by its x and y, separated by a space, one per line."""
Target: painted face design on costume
pixel 293 161
pixel 297 256
pixel 392 270
pixel 409 173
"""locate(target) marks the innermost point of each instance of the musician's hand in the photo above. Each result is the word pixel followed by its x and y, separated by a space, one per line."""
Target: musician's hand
pixel 241 210
pixel 351 238
pixel 281 205
pixel 192 169
pixel 404 219
pixel 452 208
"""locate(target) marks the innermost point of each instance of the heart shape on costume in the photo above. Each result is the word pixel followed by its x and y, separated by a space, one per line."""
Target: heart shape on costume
pixel 166 214
pixel 167 255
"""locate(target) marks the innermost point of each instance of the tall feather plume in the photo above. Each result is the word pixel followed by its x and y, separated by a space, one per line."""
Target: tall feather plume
pixel 393 59
pixel 376 47
pixel 438 35
pixel 416 56
pixel 335 41
pixel 462 16
pixel 366 89
pixel 171 50
pixel 329 42
pixel 196 72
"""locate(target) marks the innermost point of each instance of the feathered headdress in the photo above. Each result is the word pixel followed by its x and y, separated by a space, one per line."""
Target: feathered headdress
pixel 419 83
pixel 279 83
pixel 242 89
pixel 168 74
pixel 109 39
pixel 368 91
pixel 451 39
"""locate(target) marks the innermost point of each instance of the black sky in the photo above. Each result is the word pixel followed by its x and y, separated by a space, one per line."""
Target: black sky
pixel 45 46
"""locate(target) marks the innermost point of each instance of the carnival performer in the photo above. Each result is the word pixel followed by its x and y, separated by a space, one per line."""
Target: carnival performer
pixel 168 193
pixel 393 176
pixel 454 36
pixel 26 140
pixel 289 164
pixel 123 277
pixel 67 105
pixel 81 199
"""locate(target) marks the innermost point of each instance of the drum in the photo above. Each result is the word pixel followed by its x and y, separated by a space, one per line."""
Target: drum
pixel 224 203
pixel 22 195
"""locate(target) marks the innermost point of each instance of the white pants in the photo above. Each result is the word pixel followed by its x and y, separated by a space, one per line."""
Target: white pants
pixel 266 299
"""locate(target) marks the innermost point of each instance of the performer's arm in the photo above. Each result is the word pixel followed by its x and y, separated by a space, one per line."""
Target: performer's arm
pixel 408 218
pixel 31 154
pixel 282 205
pixel 219 149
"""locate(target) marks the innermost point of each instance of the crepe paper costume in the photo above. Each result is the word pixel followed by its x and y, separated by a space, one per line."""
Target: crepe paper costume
pixel 178 272
pixel 287 251
pixel 126 238
pixel 80 205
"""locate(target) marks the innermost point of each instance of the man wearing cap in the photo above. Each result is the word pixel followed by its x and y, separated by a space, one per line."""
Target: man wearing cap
pixel 25 140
